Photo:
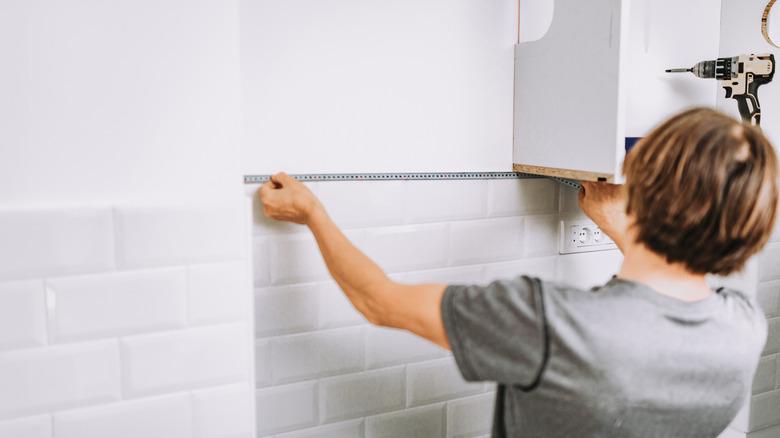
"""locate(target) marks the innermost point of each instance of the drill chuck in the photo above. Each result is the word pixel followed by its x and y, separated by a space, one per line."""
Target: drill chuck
pixel 704 70
pixel 720 69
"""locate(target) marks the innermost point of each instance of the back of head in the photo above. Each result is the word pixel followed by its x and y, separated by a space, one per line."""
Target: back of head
pixel 703 191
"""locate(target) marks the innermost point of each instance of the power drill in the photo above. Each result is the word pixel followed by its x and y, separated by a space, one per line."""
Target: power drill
pixel 740 76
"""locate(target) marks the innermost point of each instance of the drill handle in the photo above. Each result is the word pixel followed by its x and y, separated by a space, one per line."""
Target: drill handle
pixel 749 105
pixel 749 108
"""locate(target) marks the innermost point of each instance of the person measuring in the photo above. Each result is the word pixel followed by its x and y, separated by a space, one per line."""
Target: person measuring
pixel 654 352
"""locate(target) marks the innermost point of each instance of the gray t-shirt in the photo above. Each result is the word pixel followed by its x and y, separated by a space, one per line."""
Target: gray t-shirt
pixel 620 360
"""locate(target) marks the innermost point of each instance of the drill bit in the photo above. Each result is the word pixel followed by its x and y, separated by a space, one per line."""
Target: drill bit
pixel 704 69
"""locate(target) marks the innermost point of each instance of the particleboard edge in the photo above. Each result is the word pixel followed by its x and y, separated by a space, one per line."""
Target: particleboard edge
pixel 564 173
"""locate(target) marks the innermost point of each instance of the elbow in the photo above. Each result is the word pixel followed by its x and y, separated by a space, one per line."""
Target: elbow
pixel 374 319
pixel 375 315
pixel 377 310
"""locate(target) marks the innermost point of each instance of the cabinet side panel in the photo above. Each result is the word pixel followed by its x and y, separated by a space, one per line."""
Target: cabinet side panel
pixel 567 89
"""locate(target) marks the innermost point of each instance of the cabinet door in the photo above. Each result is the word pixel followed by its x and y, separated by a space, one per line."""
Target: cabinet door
pixel 569 99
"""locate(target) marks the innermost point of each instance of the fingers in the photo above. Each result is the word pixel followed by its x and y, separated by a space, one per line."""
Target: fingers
pixel 282 179
pixel 265 190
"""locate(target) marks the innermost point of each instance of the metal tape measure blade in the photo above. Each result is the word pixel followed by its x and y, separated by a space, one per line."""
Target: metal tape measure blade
pixel 765 24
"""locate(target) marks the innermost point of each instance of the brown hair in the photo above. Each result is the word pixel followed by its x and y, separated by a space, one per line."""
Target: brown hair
pixel 702 191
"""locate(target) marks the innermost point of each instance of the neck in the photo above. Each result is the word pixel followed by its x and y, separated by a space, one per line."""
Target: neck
pixel 644 266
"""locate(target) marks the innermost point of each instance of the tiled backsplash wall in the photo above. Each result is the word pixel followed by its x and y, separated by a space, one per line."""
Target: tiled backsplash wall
pixel 765 403
pixel 134 321
pixel 322 371
pixel 125 322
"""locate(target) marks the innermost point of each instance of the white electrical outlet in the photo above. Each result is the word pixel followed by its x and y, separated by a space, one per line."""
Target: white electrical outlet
pixel 582 235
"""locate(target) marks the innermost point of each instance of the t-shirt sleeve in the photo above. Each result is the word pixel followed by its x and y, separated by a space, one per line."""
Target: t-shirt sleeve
pixel 498 332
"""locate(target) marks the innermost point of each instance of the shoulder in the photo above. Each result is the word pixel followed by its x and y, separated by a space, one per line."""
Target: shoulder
pixel 743 310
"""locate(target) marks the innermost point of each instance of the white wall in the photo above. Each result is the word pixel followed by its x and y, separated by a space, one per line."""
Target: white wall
pixel 741 33
pixel 377 86
pixel 124 278
pixel 121 100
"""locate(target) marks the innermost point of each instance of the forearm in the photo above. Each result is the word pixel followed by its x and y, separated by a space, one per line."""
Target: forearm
pixel 364 283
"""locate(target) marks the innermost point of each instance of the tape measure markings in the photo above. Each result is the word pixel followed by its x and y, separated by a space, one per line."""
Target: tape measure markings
pixel 410 176
pixel 765 24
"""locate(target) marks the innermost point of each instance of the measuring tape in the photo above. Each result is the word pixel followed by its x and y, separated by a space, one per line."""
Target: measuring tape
pixel 765 24
pixel 411 176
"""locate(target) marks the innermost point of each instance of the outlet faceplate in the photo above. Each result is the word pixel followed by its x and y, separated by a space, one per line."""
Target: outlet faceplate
pixel 582 235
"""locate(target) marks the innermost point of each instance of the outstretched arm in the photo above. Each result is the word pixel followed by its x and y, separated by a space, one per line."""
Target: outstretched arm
pixel 605 204
pixel 381 300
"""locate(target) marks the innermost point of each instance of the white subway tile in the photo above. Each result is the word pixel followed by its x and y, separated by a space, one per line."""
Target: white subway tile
pixel 120 303
pixel 439 201
pixel 335 309
pixel 407 248
pixel 425 422
pixel 43 379
pixel 765 410
pixel 770 432
pixel 30 427
pixel 265 226
pixel 261 261
pixel 311 355
pixel 346 429
pixel 219 292
pixel 776 232
pixel 470 416
pixel 569 199
pixel 456 275
pixel 766 375
pixel 435 381
pixel 777 376
pixel 537 267
pixel 358 395
pixel 174 235
pixel 769 298
pixel 773 337
pixel 287 309
pixel 39 243
pixel 541 235
pixel 297 259
pixel 284 408
pixel 262 363
pixel 185 359
pixel 588 269
pixel 223 412
pixel 769 263
pixel 488 240
pixel 22 314
pixel 386 347
pixel 514 197
pixel 168 417
pixel 363 203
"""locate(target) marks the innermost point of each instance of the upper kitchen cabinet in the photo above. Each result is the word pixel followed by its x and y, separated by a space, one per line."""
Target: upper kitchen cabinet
pixel 596 79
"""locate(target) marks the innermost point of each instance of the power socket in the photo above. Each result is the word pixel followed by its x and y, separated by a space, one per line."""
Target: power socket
pixel 582 235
